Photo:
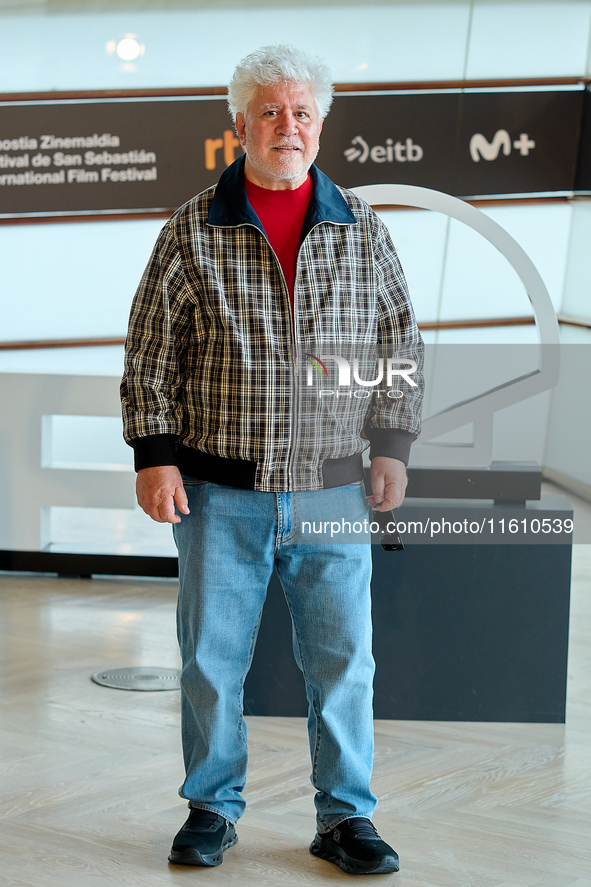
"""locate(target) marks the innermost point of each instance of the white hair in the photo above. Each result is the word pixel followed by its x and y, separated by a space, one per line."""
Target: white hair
pixel 274 64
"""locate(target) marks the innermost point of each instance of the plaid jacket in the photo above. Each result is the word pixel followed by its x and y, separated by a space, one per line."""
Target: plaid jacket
pixel 223 382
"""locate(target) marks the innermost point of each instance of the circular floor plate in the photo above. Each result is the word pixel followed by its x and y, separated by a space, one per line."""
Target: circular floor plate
pixel 140 678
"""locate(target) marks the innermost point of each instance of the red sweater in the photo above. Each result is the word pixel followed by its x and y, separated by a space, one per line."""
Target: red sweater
pixel 282 216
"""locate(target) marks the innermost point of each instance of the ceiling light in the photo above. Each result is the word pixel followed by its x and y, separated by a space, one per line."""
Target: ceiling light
pixel 129 49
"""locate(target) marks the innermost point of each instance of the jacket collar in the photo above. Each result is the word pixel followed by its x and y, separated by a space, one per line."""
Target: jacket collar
pixel 230 206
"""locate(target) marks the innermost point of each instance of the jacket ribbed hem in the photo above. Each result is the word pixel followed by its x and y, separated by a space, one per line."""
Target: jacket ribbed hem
pixel 392 442
pixel 154 450
pixel 161 449
pixel 242 474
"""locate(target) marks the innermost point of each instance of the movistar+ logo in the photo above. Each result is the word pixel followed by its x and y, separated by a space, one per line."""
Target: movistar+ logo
pixel 480 147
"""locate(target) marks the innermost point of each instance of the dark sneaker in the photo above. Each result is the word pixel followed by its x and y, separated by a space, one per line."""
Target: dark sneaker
pixel 355 846
pixel 203 839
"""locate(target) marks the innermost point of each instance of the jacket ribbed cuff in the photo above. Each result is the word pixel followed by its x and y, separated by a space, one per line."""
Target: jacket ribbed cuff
pixel 154 450
pixel 392 442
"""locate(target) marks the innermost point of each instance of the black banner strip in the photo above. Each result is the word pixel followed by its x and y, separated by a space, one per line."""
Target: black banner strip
pixel 149 154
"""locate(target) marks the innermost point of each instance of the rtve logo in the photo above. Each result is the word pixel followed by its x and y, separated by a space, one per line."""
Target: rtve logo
pixel 228 143
pixel 480 147
pixel 398 151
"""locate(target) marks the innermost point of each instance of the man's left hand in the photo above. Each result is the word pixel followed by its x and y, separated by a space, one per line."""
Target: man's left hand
pixel 388 483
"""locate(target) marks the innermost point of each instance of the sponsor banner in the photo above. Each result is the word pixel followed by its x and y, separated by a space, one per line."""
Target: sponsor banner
pixel 133 155
pixel 583 179
pixel 110 155
pixel 466 144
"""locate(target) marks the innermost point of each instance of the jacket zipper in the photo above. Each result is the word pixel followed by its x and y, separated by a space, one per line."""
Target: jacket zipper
pixel 294 344
pixel 293 351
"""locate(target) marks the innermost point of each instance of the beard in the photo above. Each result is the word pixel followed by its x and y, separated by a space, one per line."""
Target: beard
pixel 281 167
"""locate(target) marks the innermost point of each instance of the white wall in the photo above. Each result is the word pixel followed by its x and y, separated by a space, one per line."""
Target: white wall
pixel 68 281
pixel 73 280
pixel 568 438
pixel 453 273
pixel 362 42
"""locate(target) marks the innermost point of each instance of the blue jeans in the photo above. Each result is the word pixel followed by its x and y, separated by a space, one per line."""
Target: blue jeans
pixel 228 547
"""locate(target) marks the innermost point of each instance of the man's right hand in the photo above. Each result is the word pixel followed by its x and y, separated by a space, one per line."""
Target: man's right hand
pixel 158 489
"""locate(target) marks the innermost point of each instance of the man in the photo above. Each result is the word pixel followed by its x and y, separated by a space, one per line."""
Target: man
pixel 272 266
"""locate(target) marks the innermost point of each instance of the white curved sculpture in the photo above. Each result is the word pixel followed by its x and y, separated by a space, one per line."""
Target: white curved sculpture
pixel 480 409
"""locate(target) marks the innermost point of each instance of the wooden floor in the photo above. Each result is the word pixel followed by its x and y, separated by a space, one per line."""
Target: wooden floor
pixel 89 775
